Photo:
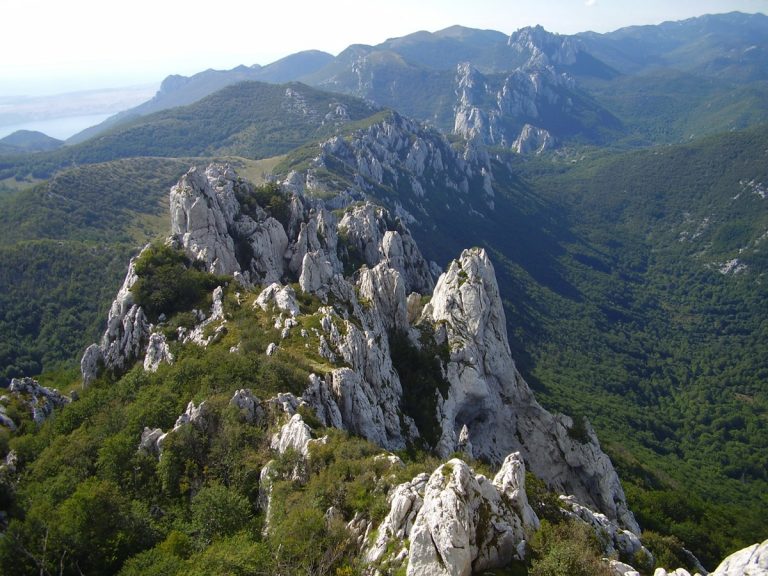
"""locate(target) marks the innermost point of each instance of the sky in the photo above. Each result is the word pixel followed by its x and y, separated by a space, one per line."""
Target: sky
pixel 55 46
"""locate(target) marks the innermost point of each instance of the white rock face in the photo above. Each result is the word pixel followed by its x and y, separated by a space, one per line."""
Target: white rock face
pixel 533 140
pixel 282 297
pixel 358 407
pixel 384 288
pixel 677 572
pixel 488 395
pixel 405 501
pixel 248 404
pixel 295 435
pixel 751 561
pixel 540 47
pixel 91 364
pixel 158 352
pixel 126 336
pixel 531 91
pixel 203 206
pixel 365 230
pixel 464 525
pixel 316 273
pixel 198 334
pixel 621 569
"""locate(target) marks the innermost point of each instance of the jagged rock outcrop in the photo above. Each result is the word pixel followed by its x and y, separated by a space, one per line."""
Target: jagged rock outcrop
pixel 39 400
pixel 282 297
pixel 384 288
pixel 533 140
pixel 207 221
pixel 525 110
pixel 613 539
pixel 157 353
pixel 295 434
pixel 249 406
pixel 511 115
pixel 538 47
pixel 750 561
pixel 458 522
pixel 405 501
pixel 487 409
pixel 125 339
pixel 398 154
pixel 203 207
pixel 152 439
pixel 489 396
pixel 211 328
pixel 372 239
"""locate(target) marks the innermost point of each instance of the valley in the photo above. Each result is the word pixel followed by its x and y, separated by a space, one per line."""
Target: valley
pixel 622 205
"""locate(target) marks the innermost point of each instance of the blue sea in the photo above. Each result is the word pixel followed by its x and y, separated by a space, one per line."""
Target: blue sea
pixel 61 128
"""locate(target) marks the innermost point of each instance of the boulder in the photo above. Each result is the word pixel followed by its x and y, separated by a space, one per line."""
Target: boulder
pixel 464 524
pixel 157 353
pixel 248 405
pixel 281 297
pixel 750 561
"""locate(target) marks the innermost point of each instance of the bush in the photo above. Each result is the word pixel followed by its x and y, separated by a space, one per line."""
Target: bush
pixel 169 283
pixel 566 549
pixel 218 512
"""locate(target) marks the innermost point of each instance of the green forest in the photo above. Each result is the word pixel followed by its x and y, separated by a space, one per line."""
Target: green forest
pixel 634 289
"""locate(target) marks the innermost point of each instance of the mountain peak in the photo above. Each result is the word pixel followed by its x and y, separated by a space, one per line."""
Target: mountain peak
pixel 543 48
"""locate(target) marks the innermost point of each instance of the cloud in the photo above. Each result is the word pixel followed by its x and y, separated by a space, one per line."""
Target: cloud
pixel 590 3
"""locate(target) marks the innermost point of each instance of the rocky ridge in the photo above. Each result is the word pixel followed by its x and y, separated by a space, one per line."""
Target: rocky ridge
pixel 404 164
pixel 533 105
pixel 486 406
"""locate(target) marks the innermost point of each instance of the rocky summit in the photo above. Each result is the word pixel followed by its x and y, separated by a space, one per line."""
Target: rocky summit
pixel 376 291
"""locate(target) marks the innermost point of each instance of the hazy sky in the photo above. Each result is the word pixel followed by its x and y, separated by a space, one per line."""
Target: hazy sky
pixel 50 46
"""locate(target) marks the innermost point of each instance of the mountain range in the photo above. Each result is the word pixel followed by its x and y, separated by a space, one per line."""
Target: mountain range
pixel 616 181
pixel 589 87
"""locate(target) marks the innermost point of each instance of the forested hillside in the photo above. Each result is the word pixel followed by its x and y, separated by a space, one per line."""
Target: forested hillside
pixel 662 341
pixel 630 246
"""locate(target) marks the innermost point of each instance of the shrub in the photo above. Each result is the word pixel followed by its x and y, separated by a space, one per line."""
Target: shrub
pixel 566 549
pixel 169 283
pixel 219 512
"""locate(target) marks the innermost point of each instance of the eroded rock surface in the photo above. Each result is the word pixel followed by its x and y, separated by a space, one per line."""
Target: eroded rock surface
pixel 489 396
pixel 750 561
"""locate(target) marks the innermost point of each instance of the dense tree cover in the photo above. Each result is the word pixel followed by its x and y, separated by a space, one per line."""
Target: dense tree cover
pixel 64 247
pixel 122 201
pixel 53 301
pixel 646 335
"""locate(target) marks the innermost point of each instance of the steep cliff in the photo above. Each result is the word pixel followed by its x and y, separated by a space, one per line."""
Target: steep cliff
pixel 483 398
